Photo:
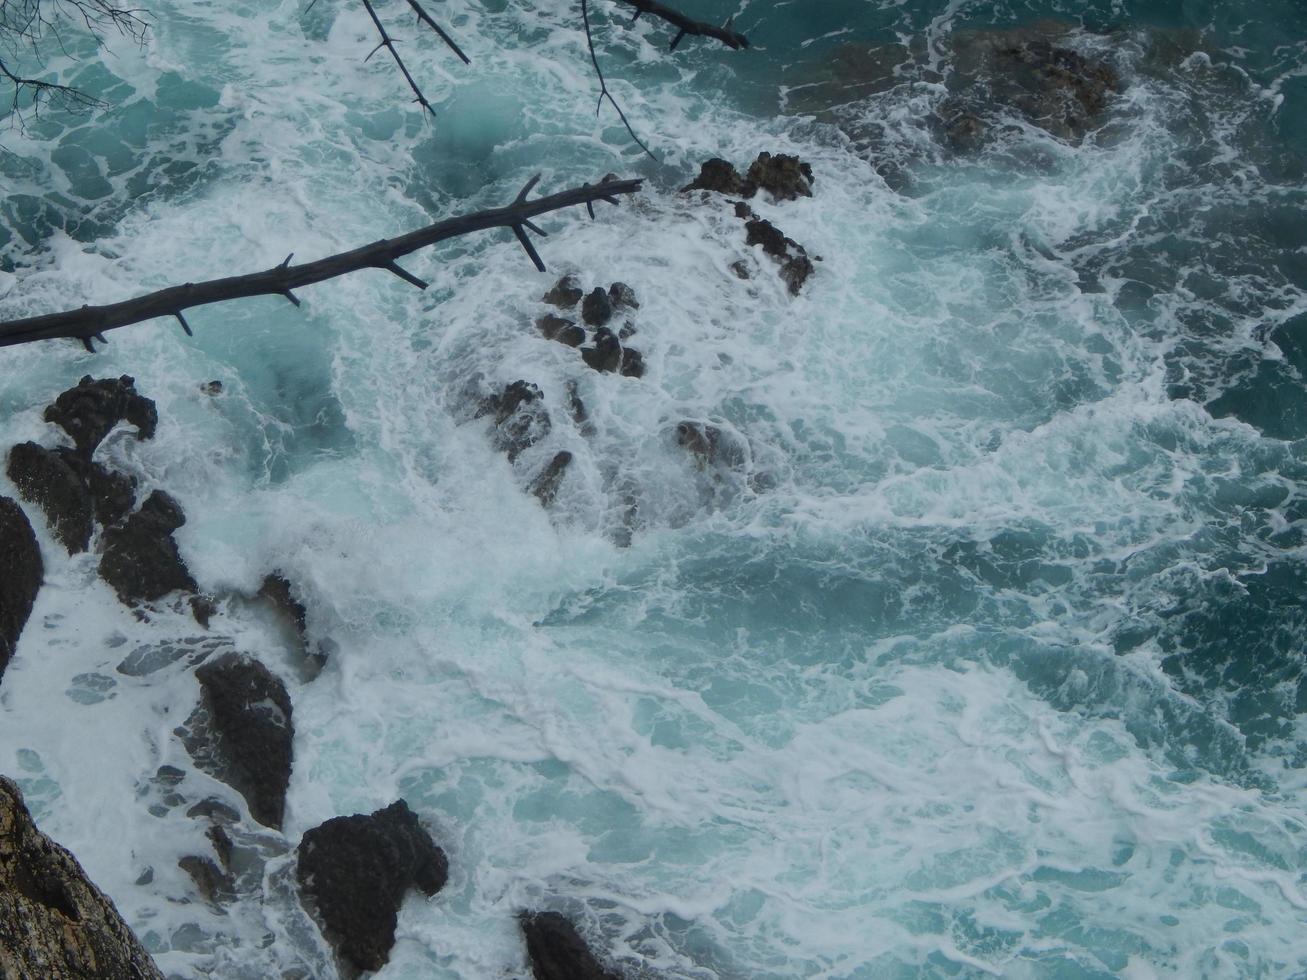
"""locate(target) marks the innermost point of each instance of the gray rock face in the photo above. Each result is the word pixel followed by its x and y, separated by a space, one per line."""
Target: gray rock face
pixel 21 572
pixel 354 871
pixel 54 923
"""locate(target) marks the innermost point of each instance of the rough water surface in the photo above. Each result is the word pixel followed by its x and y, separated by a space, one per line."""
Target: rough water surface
pixel 970 642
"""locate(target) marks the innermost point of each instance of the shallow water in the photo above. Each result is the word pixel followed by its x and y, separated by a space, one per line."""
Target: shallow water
pixel 986 658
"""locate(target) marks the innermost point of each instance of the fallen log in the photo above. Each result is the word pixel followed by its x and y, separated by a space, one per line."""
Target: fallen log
pixel 92 322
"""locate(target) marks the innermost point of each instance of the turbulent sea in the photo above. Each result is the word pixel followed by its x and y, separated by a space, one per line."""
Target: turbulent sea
pixel 981 655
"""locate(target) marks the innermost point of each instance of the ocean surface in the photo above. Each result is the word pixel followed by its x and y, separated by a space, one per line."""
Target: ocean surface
pixel 981 655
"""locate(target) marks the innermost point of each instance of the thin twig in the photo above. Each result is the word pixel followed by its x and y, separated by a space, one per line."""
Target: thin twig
pixel 685 25
pixel 91 322
pixel 426 19
pixel 603 85
pixel 389 44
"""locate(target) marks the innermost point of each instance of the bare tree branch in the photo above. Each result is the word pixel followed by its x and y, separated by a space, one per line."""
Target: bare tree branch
pixel 91 322
pixel 603 85
pixel 684 25
pixel 389 44
pixel 426 19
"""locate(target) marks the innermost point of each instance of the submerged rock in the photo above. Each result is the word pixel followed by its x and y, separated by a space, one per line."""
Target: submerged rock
pixel 709 444
pixel 21 573
pixel 795 266
pixel 72 491
pixel 545 485
pixel 246 733
pixel 354 872
pixel 276 590
pixel 520 417
pixel 565 294
pixel 606 354
pixel 54 923
pixel 89 411
pixel 557 951
pixel 141 561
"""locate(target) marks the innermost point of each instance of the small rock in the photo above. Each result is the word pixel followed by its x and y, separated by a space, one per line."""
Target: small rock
pixel 795 272
pixel 622 296
pixel 561 329
pixel 211 387
pixel 565 294
pixel 520 417
pixel 597 308
pixel 21 574
pixel 632 363
pixel 54 923
pixel 545 485
pixel 354 872
pixel 215 886
pixel 576 409
pixel 710 445
pixel 783 176
pixel 717 175
pixel 628 330
pixel 89 411
pixel 248 734
pixel 740 269
pixel 141 560
pixel 606 354
pixel 796 267
pixel 557 951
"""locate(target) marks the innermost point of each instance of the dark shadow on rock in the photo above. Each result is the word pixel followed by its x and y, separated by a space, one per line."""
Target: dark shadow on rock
pixel 141 561
pixel 54 923
pixel 72 491
pixel 21 573
pixel 354 872
pixel 243 732
pixel 557 951
pixel 89 411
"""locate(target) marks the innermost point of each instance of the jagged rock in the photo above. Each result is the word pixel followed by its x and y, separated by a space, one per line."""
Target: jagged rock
pixel 561 329
pixel 140 560
pixel 597 308
pixel 784 176
pixel 717 175
pixel 89 411
pixel 247 736
pixel 71 490
pixel 796 267
pixel 557 950
pixel 354 871
pixel 709 444
pixel 565 294
pixel 622 296
pixel 21 573
pixel 520 417
pixel 606 354
pixel 54 923
pixel 545 485
pixel 632 363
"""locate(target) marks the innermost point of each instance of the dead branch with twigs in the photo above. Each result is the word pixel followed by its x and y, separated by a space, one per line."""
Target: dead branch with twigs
pixel 90 323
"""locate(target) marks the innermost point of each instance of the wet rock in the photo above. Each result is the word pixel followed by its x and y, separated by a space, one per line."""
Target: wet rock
pixel 212 388
pixel 784 176
pixel 740 269
pixel 597 308
pixel 796 271
pixel 71 490
pixel 54 923
pixel 561 329
pixel 277 592
pixel 246 735
pixel 565 294
pixel 577 410
pixel 622 296
pixel 520 417
pixel 21 573
pixel 606 354
pixel 632 363
pixel 545 485
pixel 627 331
pixel 709 444
pixel 214 885
pixel 354 872
pixel 141 561
pixel 717 175
pixel 557 951
pixel 89 411
pixel 796 267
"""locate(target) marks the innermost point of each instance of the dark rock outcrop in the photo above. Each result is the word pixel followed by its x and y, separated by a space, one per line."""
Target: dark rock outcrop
pixel 244 732
pixel 709 444
pixel 557 950
pixel 520 417
pixel 561 329
pixel 565 294
pixel 89 411
pixel 354 872
pixel 71 490
pixel 622 296
pixel 21 572
pixel 719 176
pixel 277 592
pixel 606 354
pixel 545 485
pixel 54 923
pixel 795 266
pixel 141 560
pixel 597 308
pixel 784 176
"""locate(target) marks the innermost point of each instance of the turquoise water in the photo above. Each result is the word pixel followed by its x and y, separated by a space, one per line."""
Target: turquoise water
pixel 985 659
